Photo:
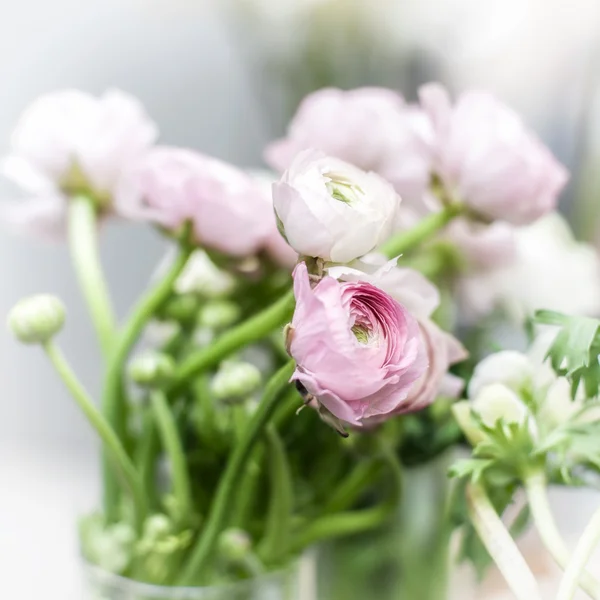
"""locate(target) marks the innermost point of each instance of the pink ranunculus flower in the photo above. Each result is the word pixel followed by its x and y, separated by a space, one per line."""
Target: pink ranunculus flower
pixel 330 209
pixel 71 142
pixel 371 128
pixel 225 205
pixel 358 351
pixel 489 160
pixel 420 297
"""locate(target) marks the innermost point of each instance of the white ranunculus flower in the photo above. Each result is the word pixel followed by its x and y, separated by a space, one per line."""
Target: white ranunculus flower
pixel 70 138
pixel 70 142
pixel 497 402
pixel 511 368
pixel 331 210
pixel 550 270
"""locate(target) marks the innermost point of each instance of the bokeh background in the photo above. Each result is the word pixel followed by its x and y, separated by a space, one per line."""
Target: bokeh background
pixel 224 76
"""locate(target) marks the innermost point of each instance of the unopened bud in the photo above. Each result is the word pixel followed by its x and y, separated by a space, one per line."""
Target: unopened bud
pixel 152 369
pixel 235 380
pixel 218 314
pixel 234 544
pixel 497 402
pixel 37 319
pixel 181 308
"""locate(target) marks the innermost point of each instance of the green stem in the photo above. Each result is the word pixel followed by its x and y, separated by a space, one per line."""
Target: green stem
pixel 500 545
pixel 432 223
pixel 113 446
pixel 579 559
pixel 250 331
pixel 274 545
pixel 83 243
pixel 113 402
pixel 147 454
pixel 225 492
pixel 172 444
pixel 352 522
pixel 536 487
pixel 348 491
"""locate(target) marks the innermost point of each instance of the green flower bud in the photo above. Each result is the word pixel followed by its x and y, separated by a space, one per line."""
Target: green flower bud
pixel 182 308
pixel 234 544
pixel 152 369
pixel 235 380
pixel 218 314
pixel 37 319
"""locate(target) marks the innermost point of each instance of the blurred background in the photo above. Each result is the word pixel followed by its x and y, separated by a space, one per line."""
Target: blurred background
pixel 224 76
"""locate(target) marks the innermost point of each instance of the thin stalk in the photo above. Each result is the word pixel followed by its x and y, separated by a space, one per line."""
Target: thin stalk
pixel 252 330
pixel 407 240
pixel 349 490
pixel 113 401
pixel 274 545
pixel 171 442
pixel 83 244
pixel 353 522
pixel 225 493
pixel 579 559
pixel 536 487
pixel 112 445
pixel 500 545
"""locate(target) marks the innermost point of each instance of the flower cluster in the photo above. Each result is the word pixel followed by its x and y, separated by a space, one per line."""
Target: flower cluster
pixel 338 283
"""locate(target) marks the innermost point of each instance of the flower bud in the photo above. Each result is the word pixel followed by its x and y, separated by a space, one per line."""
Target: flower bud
pixel 218 314
pixel 497 402
pixel 235 380
pixel 181 308
pixel 37 319
pixel 152 369
pixel 157 526
pixel 234 544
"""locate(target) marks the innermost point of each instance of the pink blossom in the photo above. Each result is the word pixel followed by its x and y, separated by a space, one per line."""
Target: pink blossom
pixel 358 351
pixel 71 142
pixel 420 297
pixel 487 158
pixel 371 128
pixel 225 205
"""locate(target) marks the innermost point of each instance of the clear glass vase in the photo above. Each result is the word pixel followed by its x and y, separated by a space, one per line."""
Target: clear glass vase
pixel 407 559
pixel 297 582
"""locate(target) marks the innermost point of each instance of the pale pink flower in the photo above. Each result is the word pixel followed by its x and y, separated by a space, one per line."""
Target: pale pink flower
pixel 332 210
pixel 371 128
pixel 489 160
pixel 358 351
pixel 408 287
pixel 71 142
pixel 420 297
pixel 225 205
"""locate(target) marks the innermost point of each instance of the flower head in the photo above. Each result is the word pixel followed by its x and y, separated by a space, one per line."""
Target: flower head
pixel 71 142
pixel 224 205
pixel 420 297
pixel 36 319
pixel 358 351
pixel 486 156
pixel 332 210
pixel 371 128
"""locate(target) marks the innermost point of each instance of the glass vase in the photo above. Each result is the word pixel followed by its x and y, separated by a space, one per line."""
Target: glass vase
pixel 406 559
pixel 296 582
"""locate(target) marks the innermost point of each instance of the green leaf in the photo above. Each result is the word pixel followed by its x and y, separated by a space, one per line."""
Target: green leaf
pixel 575 350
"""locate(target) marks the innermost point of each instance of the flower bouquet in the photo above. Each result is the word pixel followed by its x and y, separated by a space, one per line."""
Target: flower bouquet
pixel 293 372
